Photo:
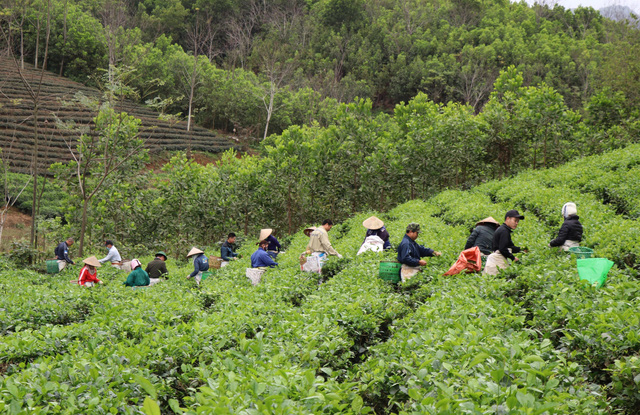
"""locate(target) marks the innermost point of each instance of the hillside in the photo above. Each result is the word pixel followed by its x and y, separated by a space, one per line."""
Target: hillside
pixel 534 339
pixel 17 126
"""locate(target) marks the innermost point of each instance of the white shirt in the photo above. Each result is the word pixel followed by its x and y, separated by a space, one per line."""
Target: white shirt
pixel 112 256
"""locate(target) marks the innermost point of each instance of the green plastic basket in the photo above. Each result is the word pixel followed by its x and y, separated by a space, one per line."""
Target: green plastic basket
pixel 52 266
pixel 390 271
pixel 581 252
pixel 594 270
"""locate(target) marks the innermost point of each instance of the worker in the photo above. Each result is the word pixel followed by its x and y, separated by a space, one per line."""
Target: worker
pixel 274 246
pixel 410 253
pixel 157 268
pixel 319 244
pixel 482 236
pixel 503 247
pixel 375 227
pixel 200 264
pixel 260 258
pixel 113 256
pixel 226 250
pixel 138 277
pixel 89 274
pixel 62 253
pixel 570 234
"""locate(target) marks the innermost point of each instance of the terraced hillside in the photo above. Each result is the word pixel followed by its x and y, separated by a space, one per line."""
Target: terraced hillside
pixel 532 340
pixel 17 124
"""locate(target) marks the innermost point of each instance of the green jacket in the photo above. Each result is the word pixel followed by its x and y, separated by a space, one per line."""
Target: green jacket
pixel 137 278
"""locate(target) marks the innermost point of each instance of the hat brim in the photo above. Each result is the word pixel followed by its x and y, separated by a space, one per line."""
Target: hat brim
pixel 373 223
pixel 194 251
pixel 309 230
pixel 488 219
pixel 264 234
pixel 93 261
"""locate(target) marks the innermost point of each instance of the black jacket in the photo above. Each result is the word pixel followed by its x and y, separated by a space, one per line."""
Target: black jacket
pixel 482 237
pixel 571 230
pixel 62 252
pixel 502 242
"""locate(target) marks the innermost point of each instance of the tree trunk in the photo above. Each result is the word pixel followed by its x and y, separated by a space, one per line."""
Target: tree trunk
pixel 272 94
pixel 83 226
pixel 34 172
pixel 64 37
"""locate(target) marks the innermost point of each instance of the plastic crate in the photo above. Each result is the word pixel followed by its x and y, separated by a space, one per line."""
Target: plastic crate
pixel 390 271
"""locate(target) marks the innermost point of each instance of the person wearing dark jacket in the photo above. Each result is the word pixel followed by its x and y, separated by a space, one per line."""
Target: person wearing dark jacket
pixel 200 264
pixel 375 227
pixel 62 253
pixel 570 234
pixel 157 268
pixel 482 235
pixel 503 246
pixel 274 246
pixel 227 248
pixel 410 253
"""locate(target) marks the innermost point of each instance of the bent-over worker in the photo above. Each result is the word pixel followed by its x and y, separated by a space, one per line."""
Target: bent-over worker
pixel 261 258
pixel 200 264
pixel 113 256
pixel 89 273
pixel 138 277
pixel 503 246
pixel 319 245
pixel 62 253
pixel 570 234
pixel 157 268
pixel 273 249
pixel 375 227
pixel 482 235
pixel 410 253
pixel 227 248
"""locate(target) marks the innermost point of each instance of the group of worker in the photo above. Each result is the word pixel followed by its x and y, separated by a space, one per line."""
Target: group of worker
pixel 492 239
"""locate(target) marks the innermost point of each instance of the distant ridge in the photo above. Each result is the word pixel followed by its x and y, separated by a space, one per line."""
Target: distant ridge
pixel 17 126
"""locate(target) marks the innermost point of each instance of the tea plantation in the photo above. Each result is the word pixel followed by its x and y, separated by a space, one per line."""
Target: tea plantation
pixel 533 340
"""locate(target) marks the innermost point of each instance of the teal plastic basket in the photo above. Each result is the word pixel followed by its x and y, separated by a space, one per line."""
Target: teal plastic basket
pixel 581 252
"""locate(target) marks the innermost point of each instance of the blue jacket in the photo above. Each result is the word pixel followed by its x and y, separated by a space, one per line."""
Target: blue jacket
pixel 409 252
pixel 62 252
pixel 226 251
pixel 274 245
pixel 200 263
pixel 260 258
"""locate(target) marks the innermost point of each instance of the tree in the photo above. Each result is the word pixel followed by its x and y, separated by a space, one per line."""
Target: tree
pixel 111 147
pixel 35 98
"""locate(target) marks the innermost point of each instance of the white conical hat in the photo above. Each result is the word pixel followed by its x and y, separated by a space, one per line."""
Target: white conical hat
pixel 92 260
pixel 373 223
pixel 264 234
pixel 194 251
pixel 309 230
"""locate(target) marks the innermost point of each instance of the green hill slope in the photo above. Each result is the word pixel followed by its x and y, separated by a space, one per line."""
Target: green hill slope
pixel 17 126
pixel 534 339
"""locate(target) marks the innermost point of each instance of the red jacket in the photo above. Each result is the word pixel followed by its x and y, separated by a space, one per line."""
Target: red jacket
pixel 86 276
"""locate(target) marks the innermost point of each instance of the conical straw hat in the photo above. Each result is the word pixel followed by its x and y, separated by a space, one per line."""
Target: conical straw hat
pixel 194 251
pixel 92 260
pixel 373 223
pixel 309 230
pixel 488 220
pixel 264 233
